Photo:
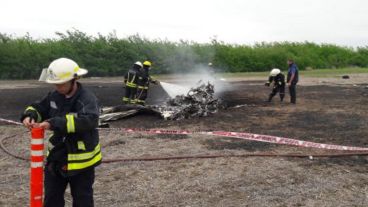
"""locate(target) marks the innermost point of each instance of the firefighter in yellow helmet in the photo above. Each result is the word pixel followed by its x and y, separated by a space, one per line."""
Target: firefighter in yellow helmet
pixel 131 79
pixel 144 82
pixel 71 112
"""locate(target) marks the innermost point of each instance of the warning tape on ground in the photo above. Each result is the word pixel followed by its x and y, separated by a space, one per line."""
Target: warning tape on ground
pixel 10 121
pixel 245 136
pixel 239 135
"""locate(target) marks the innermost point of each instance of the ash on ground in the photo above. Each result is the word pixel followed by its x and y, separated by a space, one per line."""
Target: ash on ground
pixel 198 102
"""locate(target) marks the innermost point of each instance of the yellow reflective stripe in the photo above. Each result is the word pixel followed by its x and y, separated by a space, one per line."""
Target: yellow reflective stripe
pixel 81 145
pixel 84 156
pixel 82 165
pixel 65 75
pixel 30 108
pixel 131 84
pixel 76 69
pixel 70 123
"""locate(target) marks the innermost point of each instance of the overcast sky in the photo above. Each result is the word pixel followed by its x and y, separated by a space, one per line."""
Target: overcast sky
pixel 342 22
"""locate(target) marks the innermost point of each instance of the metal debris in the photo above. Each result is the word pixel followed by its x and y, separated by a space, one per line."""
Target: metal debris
pixel 198 102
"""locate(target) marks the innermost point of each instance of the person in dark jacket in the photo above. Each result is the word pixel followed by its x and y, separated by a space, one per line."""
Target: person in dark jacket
pixel 71 112
pixel 144 82
pixel 131 78
pixel 278 80
pixel 292 80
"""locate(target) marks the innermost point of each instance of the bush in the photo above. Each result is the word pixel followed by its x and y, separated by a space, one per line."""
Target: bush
pixel 24 57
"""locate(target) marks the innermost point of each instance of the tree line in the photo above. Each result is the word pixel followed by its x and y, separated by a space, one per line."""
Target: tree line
pixel 24 57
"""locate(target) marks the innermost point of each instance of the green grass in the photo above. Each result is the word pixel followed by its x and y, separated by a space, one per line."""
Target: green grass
pixel 333 72
pixel 309 73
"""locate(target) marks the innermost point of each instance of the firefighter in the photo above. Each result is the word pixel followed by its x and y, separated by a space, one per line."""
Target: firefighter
pixel 211 69
pixel 144 82
pixel 71 113
pixel 131 79
pixel 278 80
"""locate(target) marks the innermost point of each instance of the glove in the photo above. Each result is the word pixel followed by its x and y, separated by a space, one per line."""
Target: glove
pixel 31 114
pixel 267 84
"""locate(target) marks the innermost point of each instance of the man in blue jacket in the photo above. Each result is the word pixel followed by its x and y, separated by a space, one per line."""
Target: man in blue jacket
pixel 292 79
pixel 71 112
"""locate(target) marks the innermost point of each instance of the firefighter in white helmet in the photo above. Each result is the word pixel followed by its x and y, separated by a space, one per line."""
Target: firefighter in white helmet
pixel 144 82
pixel 211 70
pixel 71 112
pixel 131 79
pixel 278 80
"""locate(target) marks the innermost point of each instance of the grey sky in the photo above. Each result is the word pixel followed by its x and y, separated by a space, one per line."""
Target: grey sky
pixel 342 22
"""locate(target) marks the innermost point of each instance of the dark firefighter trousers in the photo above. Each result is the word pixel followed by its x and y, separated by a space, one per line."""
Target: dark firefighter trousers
pixel 277 89
pixel 142 93
pixel 80 187
pixel 130 95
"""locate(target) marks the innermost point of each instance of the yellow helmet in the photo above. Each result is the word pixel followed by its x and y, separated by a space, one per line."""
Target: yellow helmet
pixel 147 63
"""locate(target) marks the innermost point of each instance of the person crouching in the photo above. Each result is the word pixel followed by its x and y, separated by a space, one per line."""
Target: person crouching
pixel 278 80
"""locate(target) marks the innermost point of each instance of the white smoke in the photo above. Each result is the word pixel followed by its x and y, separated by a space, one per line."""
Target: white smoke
pixel 185 58
pixel 182 83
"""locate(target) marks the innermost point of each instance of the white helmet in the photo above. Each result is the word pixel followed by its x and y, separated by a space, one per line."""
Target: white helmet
pixel 275 72
pixel 209 64
pixel 61 71
pixel 139 64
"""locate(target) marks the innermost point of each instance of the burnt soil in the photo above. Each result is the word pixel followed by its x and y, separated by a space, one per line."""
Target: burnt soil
pixel 323 113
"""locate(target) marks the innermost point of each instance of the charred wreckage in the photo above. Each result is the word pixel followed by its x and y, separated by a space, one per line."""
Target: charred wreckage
pixel 198 102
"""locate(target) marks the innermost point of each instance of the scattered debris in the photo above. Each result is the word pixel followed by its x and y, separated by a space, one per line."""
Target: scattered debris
pixel 117 115
pixel 122 111
pixel 239 106
pixel 198 102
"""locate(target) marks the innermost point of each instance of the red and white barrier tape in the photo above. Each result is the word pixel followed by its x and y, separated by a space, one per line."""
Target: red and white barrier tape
pixel 10 121
pixel 247 136
pixel 239 135
pixel 285 141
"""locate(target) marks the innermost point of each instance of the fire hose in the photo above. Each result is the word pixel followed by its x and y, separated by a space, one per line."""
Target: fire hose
pixel 361 152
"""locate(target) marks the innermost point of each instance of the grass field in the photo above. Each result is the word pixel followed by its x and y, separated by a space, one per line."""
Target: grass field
pixel 309 73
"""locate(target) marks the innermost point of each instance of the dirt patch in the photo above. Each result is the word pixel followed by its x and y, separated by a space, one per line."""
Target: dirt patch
pixel 324 113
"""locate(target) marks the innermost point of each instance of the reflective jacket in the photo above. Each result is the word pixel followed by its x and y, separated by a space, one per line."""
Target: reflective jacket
pixel 143 83
pixel 145 80
pixel 132 77
pixel 74 144
pixel 279 80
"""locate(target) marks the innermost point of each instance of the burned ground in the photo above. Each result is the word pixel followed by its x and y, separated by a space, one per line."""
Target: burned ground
pixel 324 113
